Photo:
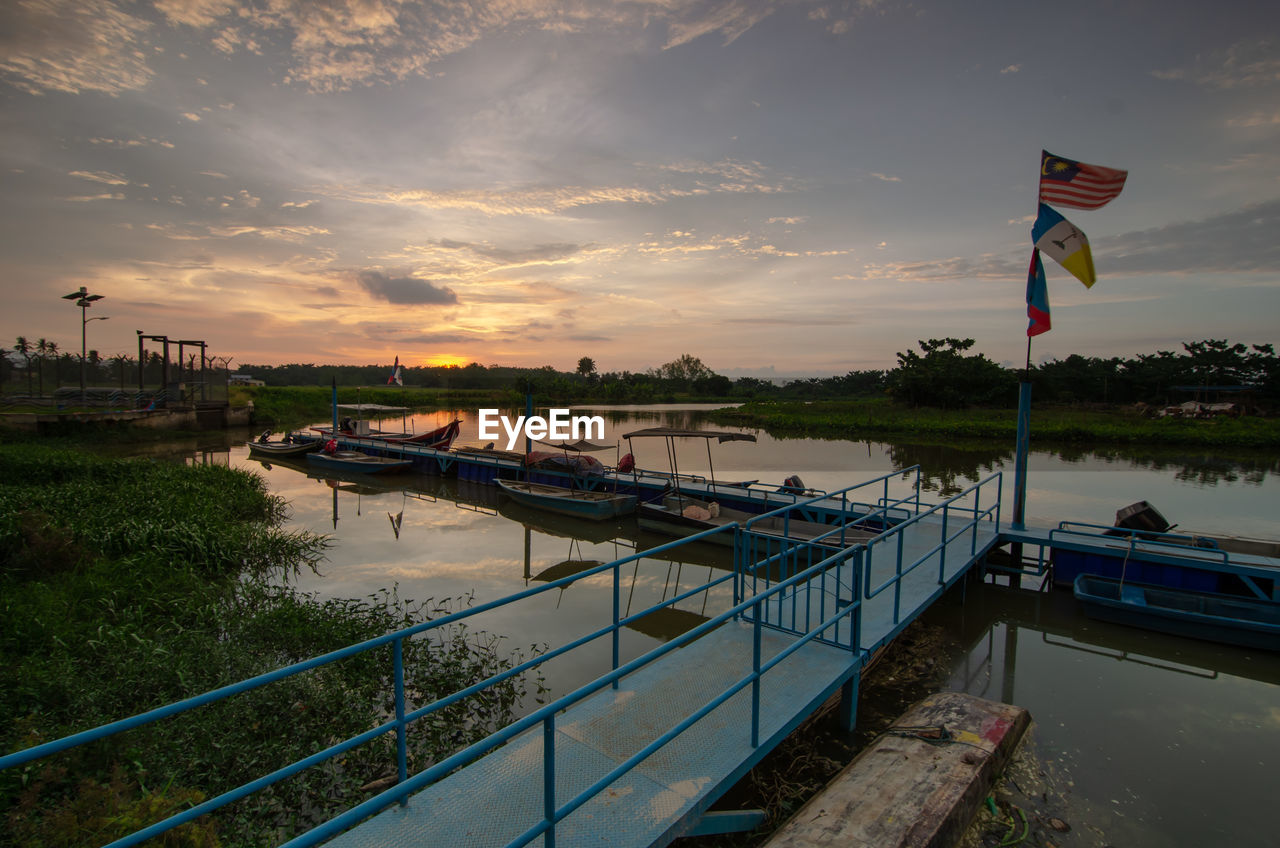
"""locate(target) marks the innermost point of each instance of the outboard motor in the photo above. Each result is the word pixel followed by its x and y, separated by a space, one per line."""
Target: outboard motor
pixel 793 485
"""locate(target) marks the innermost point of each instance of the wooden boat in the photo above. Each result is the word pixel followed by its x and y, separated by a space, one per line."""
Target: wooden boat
pixel 263 447
pixel 678 514
pixel 1235 620
pixel 440 438
pixel 566 501
pixel 358 462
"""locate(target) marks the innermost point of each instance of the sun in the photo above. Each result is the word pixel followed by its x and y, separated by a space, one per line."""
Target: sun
pixel 447 360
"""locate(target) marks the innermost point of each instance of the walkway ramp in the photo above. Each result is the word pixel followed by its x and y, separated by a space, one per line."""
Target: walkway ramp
pixel 638 755
pixel 493 801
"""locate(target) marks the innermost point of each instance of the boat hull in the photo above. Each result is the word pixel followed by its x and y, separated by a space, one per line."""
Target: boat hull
pixel 281 449
pixel 358 463
pixel 1211 616
pixel 579 504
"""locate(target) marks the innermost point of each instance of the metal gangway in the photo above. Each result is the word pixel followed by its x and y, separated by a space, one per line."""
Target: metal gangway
pixel 638 755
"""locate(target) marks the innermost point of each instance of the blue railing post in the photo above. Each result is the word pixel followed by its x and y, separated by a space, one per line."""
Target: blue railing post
pixel 617 614
pixel 942 553
pixel 897 583
pixel 549 779
pixel 755 679
pixel 402 741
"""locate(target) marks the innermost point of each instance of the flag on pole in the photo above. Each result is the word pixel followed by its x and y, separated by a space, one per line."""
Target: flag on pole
pixel 1056 236
pixel 1037 297
pixel 1065 182
pixel 395 374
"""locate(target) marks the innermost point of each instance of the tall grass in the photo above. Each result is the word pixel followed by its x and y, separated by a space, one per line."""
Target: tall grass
pixel 126 585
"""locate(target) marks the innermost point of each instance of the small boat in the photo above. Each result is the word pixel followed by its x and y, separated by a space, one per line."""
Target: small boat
pixel 358 462
pixel 565 501
pixel 263 447
pixel 678 514
pixel 440 438
pixel 1232 619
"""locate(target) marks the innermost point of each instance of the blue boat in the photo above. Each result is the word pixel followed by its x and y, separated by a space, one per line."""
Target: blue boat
pixel 357 462
pixel 1234 620
pixel 565 501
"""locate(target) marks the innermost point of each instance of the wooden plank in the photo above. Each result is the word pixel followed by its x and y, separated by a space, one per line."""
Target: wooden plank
pixel 907 790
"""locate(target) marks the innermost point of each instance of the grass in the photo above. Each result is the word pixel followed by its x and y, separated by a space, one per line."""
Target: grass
pixel 126 585
pixel 857 419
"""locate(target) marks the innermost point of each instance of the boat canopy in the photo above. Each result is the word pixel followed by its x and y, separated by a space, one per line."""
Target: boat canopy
pixel 580 446
pixel 376 408
pixel 672 432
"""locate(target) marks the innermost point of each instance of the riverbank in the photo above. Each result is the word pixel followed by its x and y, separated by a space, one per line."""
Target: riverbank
pixel 858 419
pixel 130 584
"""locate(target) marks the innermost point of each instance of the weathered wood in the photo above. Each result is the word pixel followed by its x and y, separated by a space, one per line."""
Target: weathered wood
pixel 906 789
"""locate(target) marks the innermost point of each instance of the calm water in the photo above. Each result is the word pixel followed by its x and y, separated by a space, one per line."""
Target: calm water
pixel 1147 740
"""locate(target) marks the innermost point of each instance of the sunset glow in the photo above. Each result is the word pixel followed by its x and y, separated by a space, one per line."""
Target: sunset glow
pixel 778 187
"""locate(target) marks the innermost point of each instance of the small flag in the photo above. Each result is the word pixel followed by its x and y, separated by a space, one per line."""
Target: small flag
pixel 1065 182
pixel 1064 244
pixel 1037 297
pixel 395 374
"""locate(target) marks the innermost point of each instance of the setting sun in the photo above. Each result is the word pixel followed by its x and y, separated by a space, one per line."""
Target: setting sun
pixel 448 360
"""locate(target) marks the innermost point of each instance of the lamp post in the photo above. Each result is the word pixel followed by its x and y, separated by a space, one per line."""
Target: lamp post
pixel 84 300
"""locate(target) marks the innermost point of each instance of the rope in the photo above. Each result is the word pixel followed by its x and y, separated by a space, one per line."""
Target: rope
pixel 936 734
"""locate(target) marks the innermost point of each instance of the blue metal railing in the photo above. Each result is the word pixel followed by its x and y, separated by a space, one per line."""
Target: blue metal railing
pixel 809 590
pixel 945 510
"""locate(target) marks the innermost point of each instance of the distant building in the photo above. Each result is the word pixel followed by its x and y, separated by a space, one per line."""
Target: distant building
pixel 243 380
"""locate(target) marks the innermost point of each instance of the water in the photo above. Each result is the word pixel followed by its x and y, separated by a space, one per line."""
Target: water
pixel 1147 739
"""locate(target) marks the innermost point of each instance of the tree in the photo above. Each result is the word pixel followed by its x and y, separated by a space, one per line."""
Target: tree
pixel 586 367
pixel 24 347
pixel 945 377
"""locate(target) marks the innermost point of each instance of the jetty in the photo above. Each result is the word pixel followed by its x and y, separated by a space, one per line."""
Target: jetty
pixel 638 756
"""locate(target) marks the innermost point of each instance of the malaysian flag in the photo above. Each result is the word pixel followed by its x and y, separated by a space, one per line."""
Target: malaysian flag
pixel 1065 182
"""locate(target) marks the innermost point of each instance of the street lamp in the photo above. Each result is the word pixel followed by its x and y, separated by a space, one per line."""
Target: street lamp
pixel 84 300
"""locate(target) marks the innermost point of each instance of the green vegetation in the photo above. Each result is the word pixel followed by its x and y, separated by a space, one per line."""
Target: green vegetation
pixel 858 419
pixel 126 585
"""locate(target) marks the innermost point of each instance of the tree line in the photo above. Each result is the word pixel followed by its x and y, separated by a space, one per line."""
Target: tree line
pixel 943 373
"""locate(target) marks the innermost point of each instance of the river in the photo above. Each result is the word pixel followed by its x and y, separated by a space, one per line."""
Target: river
pixel 1142 739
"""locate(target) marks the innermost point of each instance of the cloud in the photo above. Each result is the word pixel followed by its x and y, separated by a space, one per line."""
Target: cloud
pixel 1242 241
pixel 1257 119
pixel 886 178
pixel 72 46
pixel 1011 69
pixel 101 177
pixel 403 290
pixel 1244 64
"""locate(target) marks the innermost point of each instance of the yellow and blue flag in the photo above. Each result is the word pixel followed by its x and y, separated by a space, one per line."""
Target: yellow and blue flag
pixel 1057 237
pixel 1037 297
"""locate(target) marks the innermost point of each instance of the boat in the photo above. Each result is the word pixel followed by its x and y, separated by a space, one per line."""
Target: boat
pixel 1232 619
pixel 676 513
pixel 358 426
pixel 566 501
pixel 358 462
pixel 264 447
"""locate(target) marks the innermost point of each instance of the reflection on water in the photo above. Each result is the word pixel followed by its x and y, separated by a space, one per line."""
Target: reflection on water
pixel 1150 739
pixel 1161 741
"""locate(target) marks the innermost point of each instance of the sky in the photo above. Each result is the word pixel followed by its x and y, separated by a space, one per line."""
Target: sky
pixel 777 188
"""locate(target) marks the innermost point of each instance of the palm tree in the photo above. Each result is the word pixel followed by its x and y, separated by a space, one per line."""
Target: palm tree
pixel 53 354
pixel 24 347
pixel 42 348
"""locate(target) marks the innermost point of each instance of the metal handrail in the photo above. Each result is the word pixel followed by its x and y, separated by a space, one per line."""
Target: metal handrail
pixel 1134 538
pixel 971 525
pixel 402 719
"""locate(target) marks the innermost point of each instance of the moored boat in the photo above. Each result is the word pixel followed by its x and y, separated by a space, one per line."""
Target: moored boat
pixel 580 503
pixel 1235 620
pixel 358 462
pixel 264 447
